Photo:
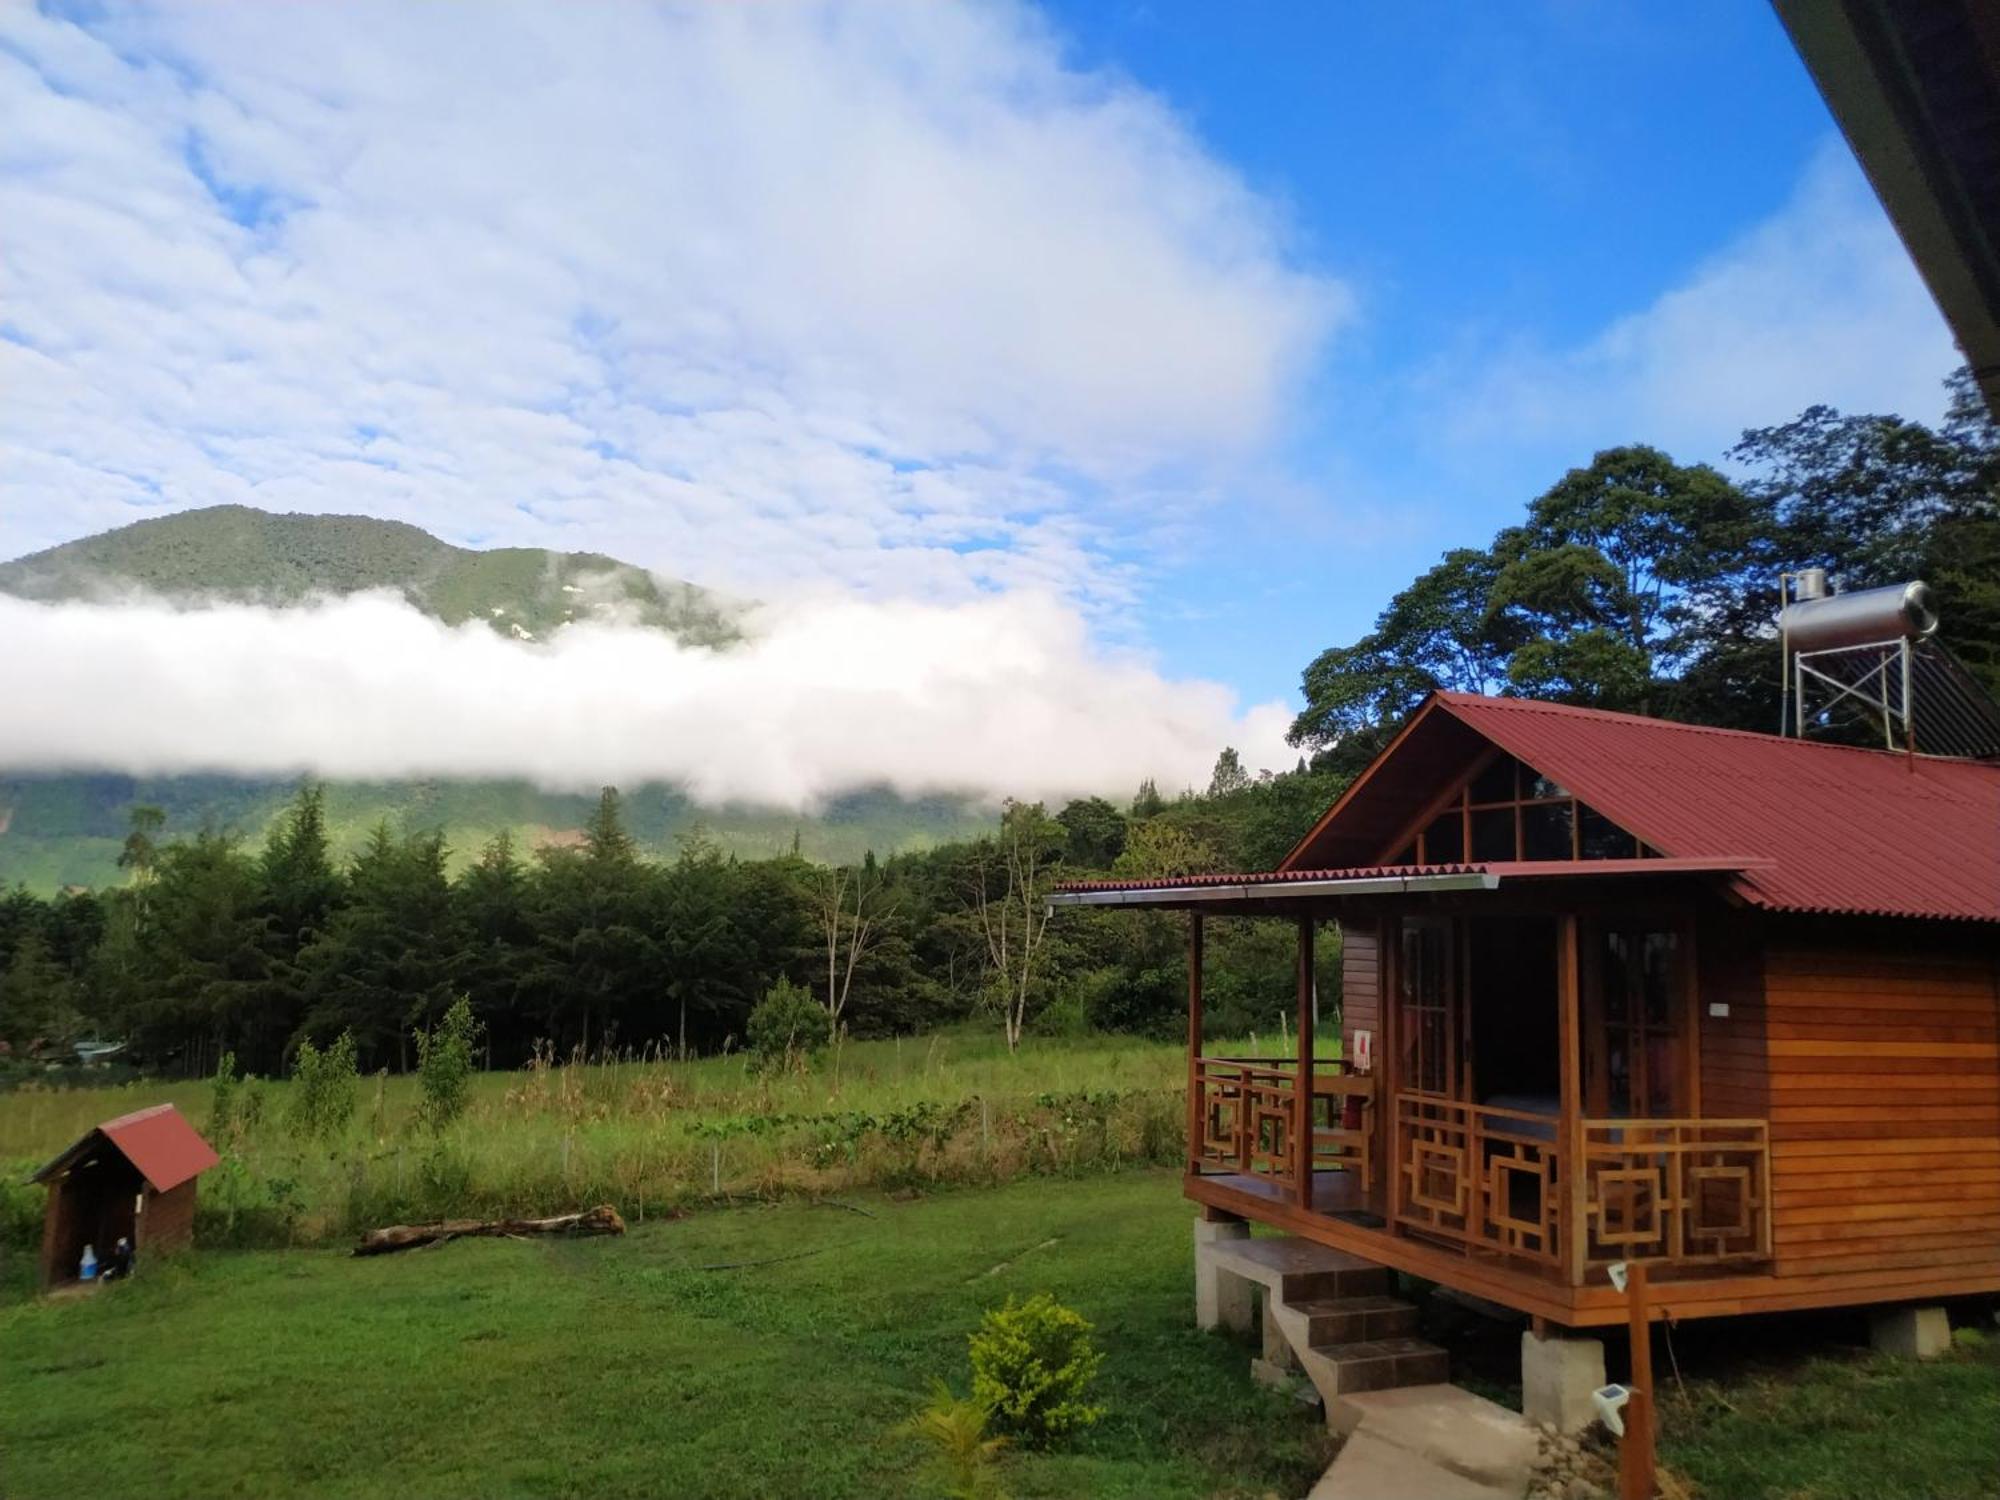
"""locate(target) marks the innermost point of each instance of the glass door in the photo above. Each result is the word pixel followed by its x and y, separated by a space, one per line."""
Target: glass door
pixel 1635 1067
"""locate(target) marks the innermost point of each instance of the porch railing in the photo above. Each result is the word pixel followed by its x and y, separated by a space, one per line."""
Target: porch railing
pixel 1680 1192
pixel 1481 1177
pixel 1499 1182
pixel 1246 1118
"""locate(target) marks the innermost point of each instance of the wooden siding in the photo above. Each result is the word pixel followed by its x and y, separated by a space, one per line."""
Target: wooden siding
pixel 1733 1082
pixel 1882 1055
pixel 1360 982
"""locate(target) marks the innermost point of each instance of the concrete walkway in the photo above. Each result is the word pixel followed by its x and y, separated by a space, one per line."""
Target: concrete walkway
pixel 1427 1442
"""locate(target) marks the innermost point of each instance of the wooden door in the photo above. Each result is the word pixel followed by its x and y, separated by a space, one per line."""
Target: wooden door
pixel 1428 1022
pixel 1637 1059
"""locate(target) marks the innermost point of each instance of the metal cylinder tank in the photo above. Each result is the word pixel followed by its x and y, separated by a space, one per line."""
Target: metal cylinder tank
pixel 1902 611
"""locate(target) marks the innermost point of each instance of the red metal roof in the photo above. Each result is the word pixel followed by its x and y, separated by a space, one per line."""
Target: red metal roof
pixel 166 1149
pixel 1821 828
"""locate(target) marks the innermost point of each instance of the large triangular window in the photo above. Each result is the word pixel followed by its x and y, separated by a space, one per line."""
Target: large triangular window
pixel 1505 811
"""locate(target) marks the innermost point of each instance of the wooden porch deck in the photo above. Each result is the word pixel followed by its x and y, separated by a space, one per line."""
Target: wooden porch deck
pixel 1697 1292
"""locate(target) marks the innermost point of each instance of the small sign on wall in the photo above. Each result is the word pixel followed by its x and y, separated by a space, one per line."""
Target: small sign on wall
pixel 1362 1048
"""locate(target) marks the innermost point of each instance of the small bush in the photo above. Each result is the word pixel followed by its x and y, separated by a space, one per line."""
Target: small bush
pixel 444 1065
pixel 962 1454
pixel 222 1101
pixel 323 1089
pixel 1032 1365
pixel 787 1026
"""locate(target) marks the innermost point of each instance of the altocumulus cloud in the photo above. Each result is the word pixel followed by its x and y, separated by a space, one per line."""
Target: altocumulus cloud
pixel 887 295
pixel 1004 696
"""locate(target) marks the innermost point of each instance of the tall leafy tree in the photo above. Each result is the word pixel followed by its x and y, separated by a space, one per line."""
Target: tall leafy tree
pixel 1440 632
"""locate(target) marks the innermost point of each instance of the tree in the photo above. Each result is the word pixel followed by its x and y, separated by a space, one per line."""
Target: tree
pixel 1094 832
pixel 1010 898
pixel 491 898
pixel 697 935
pixel 385 961
pixel 1438 633
pixel 142 843
pixel 1229 775
pixel 851 906
pixel 201 974
pixel 37 997
pixel 299 890
pixel 1588 587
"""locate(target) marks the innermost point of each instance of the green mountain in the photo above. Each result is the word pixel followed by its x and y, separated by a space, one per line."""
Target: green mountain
pixel 58 830
pixel 234 553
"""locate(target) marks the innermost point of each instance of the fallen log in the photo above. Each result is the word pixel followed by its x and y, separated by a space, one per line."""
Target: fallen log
pixel 600 1220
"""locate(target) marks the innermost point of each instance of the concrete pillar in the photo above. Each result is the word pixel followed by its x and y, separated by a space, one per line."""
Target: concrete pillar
pixel 1910 1332
pixel 1222 1299
pixel 1277 1348
pixel 1557 1377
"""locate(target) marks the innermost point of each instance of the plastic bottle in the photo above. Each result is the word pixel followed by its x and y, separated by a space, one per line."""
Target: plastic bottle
pixel 88 1270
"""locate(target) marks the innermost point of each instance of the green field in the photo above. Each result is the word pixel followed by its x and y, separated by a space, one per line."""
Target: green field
pixel 896 1191
pixel 621 1368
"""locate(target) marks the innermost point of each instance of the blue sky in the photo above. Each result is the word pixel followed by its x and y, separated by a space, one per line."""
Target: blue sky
pixel 1484 177
pixel 1188 332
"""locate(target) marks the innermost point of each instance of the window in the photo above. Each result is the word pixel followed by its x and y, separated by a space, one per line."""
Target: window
pixel 1509 811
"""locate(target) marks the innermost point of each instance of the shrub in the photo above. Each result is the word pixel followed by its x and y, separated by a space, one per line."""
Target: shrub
pixel 1032 1365
pixel 222 1101
pixel 961 1451
pixel 444 1065
pixel 323 1089
pixel 787 1026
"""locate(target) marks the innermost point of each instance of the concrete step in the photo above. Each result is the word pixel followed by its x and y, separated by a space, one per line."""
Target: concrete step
pixel 1298 1270
pixel 1375 1365
pixel 1352 1320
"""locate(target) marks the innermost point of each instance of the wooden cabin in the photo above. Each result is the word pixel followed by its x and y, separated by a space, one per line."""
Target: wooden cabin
pixel 133 1176
pixel 1617 989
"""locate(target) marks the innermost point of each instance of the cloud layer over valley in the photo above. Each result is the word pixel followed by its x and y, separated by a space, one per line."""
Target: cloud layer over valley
pixel 1001 696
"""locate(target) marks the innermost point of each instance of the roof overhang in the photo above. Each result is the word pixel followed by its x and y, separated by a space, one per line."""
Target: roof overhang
pixel 1272 890
pixel 1279 889
pixel 1915 85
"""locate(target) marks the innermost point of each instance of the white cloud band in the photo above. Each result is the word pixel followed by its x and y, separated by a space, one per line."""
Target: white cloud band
pixel 1000 697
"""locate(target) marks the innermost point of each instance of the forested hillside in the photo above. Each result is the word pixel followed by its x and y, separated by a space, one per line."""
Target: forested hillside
pixel 234 553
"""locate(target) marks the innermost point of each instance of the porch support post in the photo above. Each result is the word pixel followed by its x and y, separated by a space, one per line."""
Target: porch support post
pixel 1302 1134
pixel 1197 1115
pixel 1569 1030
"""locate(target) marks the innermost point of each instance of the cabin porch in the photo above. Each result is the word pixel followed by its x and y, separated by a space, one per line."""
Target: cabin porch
pixel 1522 1112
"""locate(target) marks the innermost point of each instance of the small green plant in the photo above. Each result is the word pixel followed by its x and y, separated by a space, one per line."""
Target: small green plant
pixel 1032 1365
pixel 962 1451
pixel 787 1026
pixel 323 1085
pixel 222 1100
pixel 445 1064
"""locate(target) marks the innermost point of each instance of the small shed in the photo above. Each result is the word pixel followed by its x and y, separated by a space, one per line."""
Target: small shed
pixel 132 1176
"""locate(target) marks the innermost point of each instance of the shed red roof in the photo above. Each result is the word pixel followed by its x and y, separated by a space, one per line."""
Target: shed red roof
pixel 1832 829
pixel 159 1142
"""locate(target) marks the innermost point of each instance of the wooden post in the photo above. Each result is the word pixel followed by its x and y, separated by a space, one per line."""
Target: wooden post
pixel 1635 1453
pixel 1197 1113
pixel 1569 1033
pixel 1302 1110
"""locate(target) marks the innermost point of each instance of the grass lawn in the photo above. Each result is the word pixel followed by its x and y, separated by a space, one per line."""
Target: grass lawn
pixel 1823 1423
pixel 619 1367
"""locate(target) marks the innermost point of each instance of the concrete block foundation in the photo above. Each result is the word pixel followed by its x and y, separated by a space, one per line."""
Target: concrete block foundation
pixel 1910 1332
pixel 1557 1377
pixel 1222 1299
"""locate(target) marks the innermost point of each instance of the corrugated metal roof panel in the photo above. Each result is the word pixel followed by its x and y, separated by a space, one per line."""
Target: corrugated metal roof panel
pixel 1836 830
pixel 159 1142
